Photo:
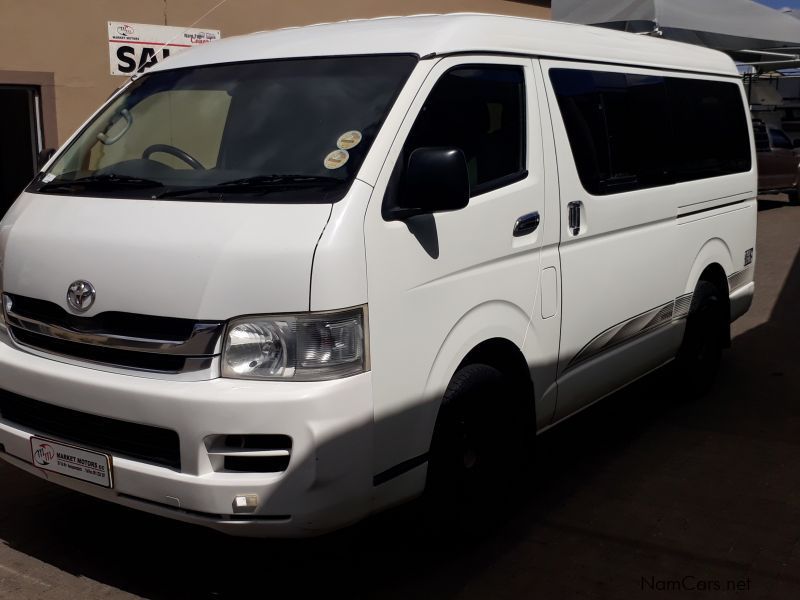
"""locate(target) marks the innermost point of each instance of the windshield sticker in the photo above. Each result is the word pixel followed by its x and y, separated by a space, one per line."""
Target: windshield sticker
pixel 48 178
pixel 349 140
pixel 336 159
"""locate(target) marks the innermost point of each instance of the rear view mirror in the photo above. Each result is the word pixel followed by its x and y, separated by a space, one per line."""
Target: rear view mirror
pixel 435 180
pixel 44 156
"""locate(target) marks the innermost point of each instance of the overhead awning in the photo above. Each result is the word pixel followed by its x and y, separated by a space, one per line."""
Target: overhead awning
pixel 741 28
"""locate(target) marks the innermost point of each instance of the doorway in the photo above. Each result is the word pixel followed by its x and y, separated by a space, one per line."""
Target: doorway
pixel 21 140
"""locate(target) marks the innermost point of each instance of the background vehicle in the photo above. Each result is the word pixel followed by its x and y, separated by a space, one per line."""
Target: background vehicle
pixel 791 127
pixel 778 161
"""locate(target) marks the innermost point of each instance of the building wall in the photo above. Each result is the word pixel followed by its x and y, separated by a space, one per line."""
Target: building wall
pixel 68 38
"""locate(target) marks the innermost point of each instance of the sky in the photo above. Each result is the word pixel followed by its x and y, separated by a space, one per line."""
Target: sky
pixel 781 3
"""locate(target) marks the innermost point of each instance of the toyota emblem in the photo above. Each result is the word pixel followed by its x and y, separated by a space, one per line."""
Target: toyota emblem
pixel 80 295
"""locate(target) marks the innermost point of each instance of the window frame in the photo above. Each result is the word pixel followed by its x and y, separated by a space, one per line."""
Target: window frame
pixel 552 64
pixel 510 178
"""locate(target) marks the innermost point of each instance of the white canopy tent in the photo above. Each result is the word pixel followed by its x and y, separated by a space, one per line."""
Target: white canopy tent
pixel 748 31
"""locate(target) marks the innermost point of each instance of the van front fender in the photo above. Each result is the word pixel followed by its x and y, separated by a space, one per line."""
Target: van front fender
pixel 491 320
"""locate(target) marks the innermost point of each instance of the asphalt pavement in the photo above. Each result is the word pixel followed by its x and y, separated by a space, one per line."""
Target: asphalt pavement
pixel 646 494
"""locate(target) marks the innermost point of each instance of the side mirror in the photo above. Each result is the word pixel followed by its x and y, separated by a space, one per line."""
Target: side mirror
pixel 435 180
pixel 44 156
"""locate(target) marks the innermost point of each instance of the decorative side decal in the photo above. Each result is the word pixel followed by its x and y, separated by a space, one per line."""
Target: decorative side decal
pixel 634 327
pixel 650 320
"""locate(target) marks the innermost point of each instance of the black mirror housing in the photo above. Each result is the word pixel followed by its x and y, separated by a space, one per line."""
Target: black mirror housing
pixel 435 180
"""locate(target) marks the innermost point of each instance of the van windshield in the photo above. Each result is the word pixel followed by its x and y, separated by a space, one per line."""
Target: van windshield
pixel 294 130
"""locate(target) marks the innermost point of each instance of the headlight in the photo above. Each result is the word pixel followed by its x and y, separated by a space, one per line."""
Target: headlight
pixel 304 347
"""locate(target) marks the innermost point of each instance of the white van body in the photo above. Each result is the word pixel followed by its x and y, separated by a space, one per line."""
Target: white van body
pixel 576 310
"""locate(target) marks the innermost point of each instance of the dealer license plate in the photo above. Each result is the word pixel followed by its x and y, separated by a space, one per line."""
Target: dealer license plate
pixel 71 461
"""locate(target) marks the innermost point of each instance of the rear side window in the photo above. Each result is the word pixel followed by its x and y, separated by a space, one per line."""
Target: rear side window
pixel 630 132
pixel 479 109
pixel 710 133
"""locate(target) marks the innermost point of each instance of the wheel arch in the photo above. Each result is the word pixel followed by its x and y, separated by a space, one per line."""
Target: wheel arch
pixel 492 333
pixel 506 357
pixel 714 263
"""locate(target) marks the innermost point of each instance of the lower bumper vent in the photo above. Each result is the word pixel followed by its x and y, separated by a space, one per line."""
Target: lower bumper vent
pixel 263 453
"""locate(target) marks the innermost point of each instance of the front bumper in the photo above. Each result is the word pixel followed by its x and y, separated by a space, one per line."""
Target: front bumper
pixel 327 484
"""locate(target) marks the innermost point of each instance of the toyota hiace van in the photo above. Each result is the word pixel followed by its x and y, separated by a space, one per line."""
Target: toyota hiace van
pixel 286 280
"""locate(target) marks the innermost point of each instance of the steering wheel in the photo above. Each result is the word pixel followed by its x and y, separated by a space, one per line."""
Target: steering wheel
pixel 176 152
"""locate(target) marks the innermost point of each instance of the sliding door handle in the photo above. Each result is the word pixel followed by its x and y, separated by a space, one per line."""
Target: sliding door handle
pixel 574 209
pixel 526 224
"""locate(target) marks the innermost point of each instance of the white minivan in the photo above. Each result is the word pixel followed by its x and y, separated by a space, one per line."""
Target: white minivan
pixel 289 279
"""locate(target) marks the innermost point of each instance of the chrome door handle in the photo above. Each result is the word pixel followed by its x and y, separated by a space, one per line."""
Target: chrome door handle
pixel 526 224
pixel 574 209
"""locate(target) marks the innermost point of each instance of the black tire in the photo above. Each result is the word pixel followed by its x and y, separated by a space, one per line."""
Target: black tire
pixel 707 326
pixel 794 196
pixel 480 449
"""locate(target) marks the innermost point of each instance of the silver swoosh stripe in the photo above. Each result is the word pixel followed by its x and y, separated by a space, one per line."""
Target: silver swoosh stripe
pixel 622 332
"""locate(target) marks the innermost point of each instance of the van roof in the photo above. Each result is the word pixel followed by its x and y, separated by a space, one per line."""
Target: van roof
pixel 463 32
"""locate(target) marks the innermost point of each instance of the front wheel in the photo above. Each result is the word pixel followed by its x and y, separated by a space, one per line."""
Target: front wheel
pixel 479 452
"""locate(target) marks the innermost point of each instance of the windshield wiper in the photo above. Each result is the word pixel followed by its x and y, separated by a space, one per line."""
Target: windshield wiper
pixel 254 184
pixel 105 180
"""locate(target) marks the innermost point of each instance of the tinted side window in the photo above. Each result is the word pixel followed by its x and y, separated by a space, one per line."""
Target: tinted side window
pixel 710 128
pixel 630 132
pixel 479 109
pixel 780 139
pixel 616 128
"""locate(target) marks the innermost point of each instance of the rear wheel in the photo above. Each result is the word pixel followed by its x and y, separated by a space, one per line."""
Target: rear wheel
pixel 794 196
pixel 479 452
pixel 706 328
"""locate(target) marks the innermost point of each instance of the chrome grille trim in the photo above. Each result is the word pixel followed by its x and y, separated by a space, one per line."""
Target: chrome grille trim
pixel 191 365
pixel 205 339
pixel 191 359
pixel 203 370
